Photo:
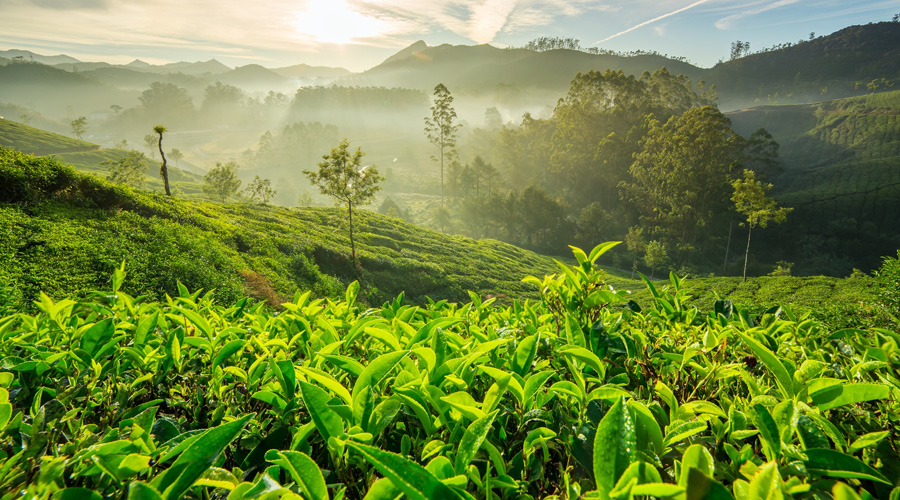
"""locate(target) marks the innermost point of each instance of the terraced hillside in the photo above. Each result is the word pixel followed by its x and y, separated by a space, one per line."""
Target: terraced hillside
pixel 841 173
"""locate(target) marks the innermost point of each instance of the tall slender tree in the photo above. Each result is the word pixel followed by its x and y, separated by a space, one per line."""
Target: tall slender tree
pixel 440 129
pixel 751 201
pixel 163 170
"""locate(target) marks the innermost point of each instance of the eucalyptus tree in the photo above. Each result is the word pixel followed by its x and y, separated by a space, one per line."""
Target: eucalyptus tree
pixel 441 129
pixel 342 176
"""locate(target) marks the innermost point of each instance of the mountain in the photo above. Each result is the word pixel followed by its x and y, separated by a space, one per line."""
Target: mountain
pixel 254 77
pixel 414 49
pixel 51 89
pixel 33 57
pixel 484 68
pixel 212 67
pixel 837 65
pixel 138 64
pixel 307 72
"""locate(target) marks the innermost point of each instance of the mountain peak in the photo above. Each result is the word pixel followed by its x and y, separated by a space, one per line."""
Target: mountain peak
pixel 407 52
pixel 137 63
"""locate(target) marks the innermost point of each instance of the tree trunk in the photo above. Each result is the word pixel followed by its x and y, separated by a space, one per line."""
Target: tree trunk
pixel 727 246
pixel 747 252
pixel 352 244
pixel 442 173
pixel 164 170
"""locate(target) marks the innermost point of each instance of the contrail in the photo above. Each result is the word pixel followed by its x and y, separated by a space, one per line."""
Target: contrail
pixel 645 23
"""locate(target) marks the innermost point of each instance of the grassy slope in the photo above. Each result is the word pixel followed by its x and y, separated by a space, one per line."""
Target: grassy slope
pixel 67 238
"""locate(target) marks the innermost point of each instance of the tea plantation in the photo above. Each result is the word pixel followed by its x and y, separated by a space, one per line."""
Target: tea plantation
pixel 580 394
pixel 144 386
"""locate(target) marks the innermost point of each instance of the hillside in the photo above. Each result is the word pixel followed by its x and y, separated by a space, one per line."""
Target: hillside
pixel 39 142
pixel 840 173
pixel 50 89
pixel 237 248
pixel 824 67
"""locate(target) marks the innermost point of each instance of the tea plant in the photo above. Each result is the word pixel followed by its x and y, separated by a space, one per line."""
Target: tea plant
pixel 581 394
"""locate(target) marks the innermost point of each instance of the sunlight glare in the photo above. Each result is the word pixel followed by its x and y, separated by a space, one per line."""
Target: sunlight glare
pixel 333 21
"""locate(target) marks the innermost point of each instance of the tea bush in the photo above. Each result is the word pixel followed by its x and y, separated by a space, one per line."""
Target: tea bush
pixel 583 393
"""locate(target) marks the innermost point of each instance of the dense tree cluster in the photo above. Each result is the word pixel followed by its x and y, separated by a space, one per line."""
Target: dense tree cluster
pixel 649 159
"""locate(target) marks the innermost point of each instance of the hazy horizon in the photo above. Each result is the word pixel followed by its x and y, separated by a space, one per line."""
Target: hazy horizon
pixel 360 34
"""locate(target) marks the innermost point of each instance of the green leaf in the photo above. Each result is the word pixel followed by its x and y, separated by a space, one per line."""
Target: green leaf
pixel 287 377
pixel 767 483
pixel 327 421
pixel 833 463
pixel 701 487
pixel 836 395
pixel 525 353
pixel 867 440
pixel 97 335
pixel 696 457
pixel 198 457
pixel 782 376
pixel 138 490
pixel 615 447
pixel 679 431
pixel 768 431
pixel 601 249
pixel 411 478
pixel 648 432
pixel 227 350
pixel 146 325
pixel 77 494
pixel 471 441
pixel 377 370
pixel 585 356
pixel 841 491
pixel 303 470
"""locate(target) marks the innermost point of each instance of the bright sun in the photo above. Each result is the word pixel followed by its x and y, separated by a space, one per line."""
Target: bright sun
pixel 333 21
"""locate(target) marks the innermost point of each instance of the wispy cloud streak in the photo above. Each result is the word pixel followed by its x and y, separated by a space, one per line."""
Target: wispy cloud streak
pixel 655 19
pixel 728 21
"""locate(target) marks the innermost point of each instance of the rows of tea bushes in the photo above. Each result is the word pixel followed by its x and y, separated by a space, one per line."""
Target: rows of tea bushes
pixel 582 394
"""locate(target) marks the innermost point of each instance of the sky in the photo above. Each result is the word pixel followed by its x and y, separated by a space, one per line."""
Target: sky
pixel 359 34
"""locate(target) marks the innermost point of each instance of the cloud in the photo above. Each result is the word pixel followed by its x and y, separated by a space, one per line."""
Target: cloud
pixel 655 19
pixel 73 4
pixel 728 21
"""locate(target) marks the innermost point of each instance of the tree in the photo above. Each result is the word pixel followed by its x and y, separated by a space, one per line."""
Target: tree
pixel 166 102
pixel 115 108
pixel 260 189
pixel 221 181
pixel 79 126
pixel 681 180
pixel 176 155
pixel 655 256
pixel 751 201
pixel 341 176
pixel 163 169
pixel 128 169
pixel 440 129
pixel 739 49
